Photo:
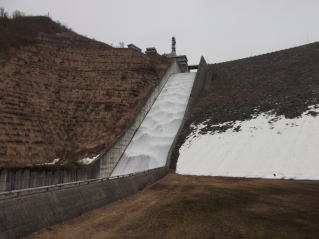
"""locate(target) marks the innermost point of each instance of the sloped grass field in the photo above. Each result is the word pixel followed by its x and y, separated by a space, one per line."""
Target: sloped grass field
pixel 203 207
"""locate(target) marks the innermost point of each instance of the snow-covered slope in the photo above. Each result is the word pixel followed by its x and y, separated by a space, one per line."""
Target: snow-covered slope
pixel 151 143
pixel 265 146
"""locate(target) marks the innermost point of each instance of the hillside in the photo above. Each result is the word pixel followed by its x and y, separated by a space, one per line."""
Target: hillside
pixel 21 31
pixel 255 117
pixel 64 96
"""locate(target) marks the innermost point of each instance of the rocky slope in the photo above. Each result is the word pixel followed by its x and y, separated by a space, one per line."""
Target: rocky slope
pixel 64 96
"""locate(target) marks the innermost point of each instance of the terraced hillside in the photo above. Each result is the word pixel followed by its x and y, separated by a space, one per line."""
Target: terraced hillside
pixel 64 96
pixel 280 85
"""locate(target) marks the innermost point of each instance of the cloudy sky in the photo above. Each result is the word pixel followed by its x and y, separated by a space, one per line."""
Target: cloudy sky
pixel 220 30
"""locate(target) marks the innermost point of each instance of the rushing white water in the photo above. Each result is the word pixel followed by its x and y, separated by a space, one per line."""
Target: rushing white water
pixel 151 143
pixel 264 147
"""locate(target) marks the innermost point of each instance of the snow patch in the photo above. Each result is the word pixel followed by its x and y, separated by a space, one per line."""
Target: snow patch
pixel 267 146
pixel 54 161
pixel 88 160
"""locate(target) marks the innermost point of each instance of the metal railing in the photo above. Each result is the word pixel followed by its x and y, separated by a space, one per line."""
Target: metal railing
pixel 42 189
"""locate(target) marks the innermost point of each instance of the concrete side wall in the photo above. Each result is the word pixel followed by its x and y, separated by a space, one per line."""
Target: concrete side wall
pixel 199 82
pixel 110 159
pixel 14 179
pixel 27 213
pixel 197 88
pixel 3 180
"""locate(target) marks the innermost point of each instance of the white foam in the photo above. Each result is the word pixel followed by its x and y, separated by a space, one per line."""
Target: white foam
pixel 285 148
pixel 151 143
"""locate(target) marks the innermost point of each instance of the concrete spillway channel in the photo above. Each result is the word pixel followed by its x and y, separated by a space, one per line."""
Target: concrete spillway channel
pixel 152 141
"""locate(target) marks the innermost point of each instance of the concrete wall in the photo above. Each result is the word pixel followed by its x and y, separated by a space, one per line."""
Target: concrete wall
pixel 24 212
pixel 3 180
pixel 200 79
pixel 30 177
pixel 197 88
pixel 19 178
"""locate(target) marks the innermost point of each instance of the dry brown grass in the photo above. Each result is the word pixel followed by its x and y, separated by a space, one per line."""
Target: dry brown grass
pixel 203 207
pixel 66 96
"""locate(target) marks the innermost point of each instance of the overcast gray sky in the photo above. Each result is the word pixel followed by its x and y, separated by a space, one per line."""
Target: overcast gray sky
pixel 220 30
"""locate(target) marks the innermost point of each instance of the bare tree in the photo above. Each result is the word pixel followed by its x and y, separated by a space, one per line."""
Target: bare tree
pixel 122 45
pixel 3 13
pixel 17 13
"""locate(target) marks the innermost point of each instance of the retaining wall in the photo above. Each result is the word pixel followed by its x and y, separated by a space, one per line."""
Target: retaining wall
pixel 197 88
pixel 30 177
pixel 3 182
pixel 26 211
pixel 19 178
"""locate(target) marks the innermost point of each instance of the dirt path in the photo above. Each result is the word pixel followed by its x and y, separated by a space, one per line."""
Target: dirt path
pixel 203 207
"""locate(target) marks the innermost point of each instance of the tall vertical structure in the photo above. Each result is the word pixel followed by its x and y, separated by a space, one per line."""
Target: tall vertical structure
pixel 173 46
pixel 181 59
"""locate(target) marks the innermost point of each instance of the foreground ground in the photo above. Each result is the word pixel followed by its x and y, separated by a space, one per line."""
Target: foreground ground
pixel 203 207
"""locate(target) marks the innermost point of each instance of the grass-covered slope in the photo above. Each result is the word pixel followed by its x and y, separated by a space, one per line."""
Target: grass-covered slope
pixel 21 31
pixel 64 96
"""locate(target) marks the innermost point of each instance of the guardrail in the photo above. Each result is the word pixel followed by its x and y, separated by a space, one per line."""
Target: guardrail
pixel 28 191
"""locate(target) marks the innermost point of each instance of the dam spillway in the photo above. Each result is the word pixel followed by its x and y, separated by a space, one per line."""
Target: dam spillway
pixel 152 141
